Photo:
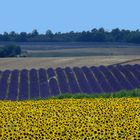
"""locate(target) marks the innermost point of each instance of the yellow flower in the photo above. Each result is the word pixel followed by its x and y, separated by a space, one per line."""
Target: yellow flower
pixel 71 119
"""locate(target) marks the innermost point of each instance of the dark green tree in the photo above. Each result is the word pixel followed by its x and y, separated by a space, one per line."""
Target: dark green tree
pixel 10 51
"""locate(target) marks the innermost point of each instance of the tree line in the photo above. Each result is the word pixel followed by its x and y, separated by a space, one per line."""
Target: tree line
pixel 95 35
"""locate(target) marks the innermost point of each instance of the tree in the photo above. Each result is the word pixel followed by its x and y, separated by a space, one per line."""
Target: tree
pixel 35 32
pixel 10 51
pixel 116 33
pixel 12 33
pixel 6 36
pixel 23 36
pixel 49 34
pixel 95 35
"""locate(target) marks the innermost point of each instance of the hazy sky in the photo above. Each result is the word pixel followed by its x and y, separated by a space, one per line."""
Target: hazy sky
pixel 67 15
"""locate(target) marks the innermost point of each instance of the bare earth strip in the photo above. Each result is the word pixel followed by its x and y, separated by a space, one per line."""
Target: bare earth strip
pixel 28 63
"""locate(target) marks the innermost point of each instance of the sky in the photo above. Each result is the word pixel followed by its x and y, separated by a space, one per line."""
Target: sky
pixel 68 15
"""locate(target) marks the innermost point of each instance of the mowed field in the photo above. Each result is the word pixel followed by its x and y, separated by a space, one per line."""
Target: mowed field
pixel 78 52
pixel 44 55
pixel 79 49
pixel 28 63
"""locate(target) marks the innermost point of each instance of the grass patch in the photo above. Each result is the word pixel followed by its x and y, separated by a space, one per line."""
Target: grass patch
pixel 120 94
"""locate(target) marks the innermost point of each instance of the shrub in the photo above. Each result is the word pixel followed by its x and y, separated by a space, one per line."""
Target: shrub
pixel 10 51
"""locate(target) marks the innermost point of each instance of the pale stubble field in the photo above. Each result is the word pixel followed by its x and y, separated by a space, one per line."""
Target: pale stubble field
pixel 44 62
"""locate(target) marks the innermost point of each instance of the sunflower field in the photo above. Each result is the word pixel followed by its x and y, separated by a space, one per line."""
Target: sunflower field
pixel 70 119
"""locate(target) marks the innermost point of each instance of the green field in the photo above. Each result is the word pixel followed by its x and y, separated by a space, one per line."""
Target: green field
pixel 121 94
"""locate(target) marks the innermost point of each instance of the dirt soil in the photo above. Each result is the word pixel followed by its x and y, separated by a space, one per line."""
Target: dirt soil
pixel 28 63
